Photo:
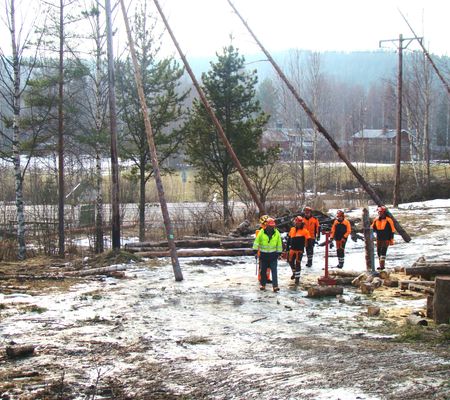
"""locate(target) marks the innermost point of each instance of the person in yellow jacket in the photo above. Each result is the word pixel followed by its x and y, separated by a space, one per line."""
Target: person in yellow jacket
pixel 295 247
pixel 384 228
pixel 262 224
pixel 268 243
pixel 313 227
pixel 340 230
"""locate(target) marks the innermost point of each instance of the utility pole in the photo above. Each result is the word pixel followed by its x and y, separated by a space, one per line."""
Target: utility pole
pixel 398 142
pixel 115 217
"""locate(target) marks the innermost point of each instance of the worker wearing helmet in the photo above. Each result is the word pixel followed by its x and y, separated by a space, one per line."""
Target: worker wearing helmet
pixel 312 225
pixel 384 228
pixel 295 246
pixel 268 243
pixel 340 230
pixel 262 224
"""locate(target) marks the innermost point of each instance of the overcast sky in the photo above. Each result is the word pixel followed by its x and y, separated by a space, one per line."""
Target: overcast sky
pixel 203 26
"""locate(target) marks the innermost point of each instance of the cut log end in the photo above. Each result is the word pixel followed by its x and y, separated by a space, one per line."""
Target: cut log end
pixel 19 351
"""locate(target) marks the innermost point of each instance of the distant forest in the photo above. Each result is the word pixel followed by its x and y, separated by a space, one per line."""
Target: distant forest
pixel 356 90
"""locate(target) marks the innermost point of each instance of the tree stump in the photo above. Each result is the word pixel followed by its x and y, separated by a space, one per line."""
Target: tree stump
pixel 441 302
pixel 321 291
pixel 430 306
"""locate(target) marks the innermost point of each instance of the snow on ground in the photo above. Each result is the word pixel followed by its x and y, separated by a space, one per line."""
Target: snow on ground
pixel 216 336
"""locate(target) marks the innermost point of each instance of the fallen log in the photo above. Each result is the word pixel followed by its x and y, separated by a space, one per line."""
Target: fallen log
pixel 416 320
pixel 19 351
pixel 23 277
pixel 390 282
pixel 357 281
pixel 343 281
pixel 236 244
pixel 420 288
pixel 404 284
pixel 199 253
pixel 190 244
pixel 428 270
pixel 194 243
pixel 322 291
pixel 441 303
pixel 98 271
pixel 344 274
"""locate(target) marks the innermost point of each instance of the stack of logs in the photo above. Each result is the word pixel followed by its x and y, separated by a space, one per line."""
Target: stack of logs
pixel 431 278
pixel 206 247
pixel 437 290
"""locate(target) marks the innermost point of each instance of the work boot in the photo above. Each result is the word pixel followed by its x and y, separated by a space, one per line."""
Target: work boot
pixel 262 287
pixel 309 263
pixel 276 289
pixel 297 281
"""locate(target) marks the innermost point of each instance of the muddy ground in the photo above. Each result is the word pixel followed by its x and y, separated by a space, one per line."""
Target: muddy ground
pixel 216 336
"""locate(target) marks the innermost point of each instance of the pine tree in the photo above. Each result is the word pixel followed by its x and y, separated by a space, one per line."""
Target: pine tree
pixel 230 90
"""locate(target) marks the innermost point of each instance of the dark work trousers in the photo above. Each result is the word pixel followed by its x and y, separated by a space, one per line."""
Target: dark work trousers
pixel 269 260
pixel 310 251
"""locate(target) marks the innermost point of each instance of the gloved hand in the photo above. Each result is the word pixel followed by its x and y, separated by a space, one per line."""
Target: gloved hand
pixel 331 244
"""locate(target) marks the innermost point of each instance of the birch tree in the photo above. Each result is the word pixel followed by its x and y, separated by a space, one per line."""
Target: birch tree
pixel 16 69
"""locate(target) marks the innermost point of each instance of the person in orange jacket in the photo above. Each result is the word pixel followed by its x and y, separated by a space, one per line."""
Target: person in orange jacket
pixel 262 224
pixel 384 228
pixel 313 227
pixel 295 247
pixel 340 230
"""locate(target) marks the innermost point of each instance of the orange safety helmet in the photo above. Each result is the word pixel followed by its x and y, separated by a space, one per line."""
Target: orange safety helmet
pixel 298 220
pixel 382 210
pixel 270 222
pixel 307 209
pixel 340 214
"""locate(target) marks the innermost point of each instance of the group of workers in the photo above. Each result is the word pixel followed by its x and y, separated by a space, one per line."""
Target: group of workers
pixel 268 245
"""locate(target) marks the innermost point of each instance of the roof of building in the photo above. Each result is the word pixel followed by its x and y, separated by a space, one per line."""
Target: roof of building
pixel 379 134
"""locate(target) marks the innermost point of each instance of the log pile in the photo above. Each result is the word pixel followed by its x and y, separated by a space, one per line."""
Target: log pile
pixel 201 247
pixel 427 268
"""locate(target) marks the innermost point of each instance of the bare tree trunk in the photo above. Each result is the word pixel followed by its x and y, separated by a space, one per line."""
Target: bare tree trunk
pixel 226 208
pixel 61 238
pixel 18 177
pixel 142 202
pixel 99 232
pixel 115 218
pixel 426 130
pixel 99 246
